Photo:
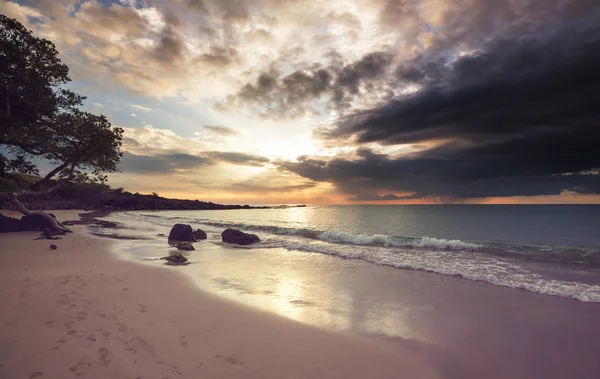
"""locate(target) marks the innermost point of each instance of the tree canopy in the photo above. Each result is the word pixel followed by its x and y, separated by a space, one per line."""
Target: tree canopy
pixel 40 118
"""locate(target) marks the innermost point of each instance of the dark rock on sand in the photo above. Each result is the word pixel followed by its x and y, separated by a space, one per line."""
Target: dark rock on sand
pixel 181 232
pixel 176 259
pixel 53 247
pixel 161 235
pixel 238 237
pixel 185 246
pixel 199 234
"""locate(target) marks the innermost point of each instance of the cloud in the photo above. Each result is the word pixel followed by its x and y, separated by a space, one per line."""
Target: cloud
pixel 142 108
pixel 525 167
pixel 294 95
pixel 160 164
pixel 514 87
pixel 236 158
pixel 173 161
pixel 223 131
pixel 373 196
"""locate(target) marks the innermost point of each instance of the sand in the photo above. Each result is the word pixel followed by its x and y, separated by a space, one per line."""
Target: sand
pixel 79 311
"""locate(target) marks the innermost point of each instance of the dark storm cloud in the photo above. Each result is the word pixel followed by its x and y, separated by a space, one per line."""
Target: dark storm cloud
pixel 172 162
pixel 512 88
pixel 527 166
pixel 291 95
pixel 252 186
pixel 519 116
pixel 374 197
pixel 221 130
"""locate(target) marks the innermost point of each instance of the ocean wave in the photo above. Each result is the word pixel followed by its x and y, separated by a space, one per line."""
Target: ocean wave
pixel 338 236
pixel 476 267
pixel 556 254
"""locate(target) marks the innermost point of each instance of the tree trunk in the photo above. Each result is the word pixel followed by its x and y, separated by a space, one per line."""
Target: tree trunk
pixel 51 220
pixel 50 175
pixel 12 198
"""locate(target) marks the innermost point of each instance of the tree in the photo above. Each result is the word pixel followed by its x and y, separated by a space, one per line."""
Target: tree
pixel 40 118
pixel 21 164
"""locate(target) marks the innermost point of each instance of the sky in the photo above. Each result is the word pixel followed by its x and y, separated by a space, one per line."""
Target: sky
pixel 341 101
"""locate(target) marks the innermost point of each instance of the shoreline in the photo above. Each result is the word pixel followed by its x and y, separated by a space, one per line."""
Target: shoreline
pixel 79 311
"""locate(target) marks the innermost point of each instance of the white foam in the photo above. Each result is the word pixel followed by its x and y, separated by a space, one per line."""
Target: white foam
pixel 338 236
pixel 472 266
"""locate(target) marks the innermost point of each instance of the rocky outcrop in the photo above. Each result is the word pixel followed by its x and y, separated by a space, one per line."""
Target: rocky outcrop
pixel 199 235
pixel 182 233
pixel 238 237
pixel 176 259
pixel 185 246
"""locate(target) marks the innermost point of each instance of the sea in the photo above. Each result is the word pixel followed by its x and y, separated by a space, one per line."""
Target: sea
pixel 460 284
pixel 550 249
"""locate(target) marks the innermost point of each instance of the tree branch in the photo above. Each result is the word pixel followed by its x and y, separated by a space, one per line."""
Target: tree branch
pixel 12 198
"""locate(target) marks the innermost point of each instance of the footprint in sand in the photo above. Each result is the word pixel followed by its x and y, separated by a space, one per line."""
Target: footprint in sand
pixel 183 341
pixel 143 308
pixel 81 316
pixel 36 374
pixel 82 368
pixel 50 324
pixel 59 342
pixel 232 360
pixel 104 333
pixel 104 356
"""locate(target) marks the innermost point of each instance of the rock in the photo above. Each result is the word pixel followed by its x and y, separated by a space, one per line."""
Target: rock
pixel 181 232
pixel 161 235
pixel 238 237
pixel 106 224
pixel 199 235
pixel 9 224
pixel 175 259
pixel 185 246
pixel 53 247
pixel 69 223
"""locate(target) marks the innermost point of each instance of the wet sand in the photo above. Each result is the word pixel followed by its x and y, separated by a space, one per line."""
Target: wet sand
pixel 79 311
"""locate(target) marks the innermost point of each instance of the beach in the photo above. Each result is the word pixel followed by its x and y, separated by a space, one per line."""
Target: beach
pixel 80 311
pixel 102 305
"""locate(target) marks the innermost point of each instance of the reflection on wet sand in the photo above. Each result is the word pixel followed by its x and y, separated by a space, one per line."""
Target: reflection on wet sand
pixel 304 287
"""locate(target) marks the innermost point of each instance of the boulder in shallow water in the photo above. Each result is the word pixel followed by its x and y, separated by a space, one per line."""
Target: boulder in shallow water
pixel 238 237
pixel 185 246
pixel 181 232
pixel 199 234
pixel 175 259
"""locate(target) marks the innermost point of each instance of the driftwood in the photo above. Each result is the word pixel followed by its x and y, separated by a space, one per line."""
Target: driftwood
pixel 12 198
